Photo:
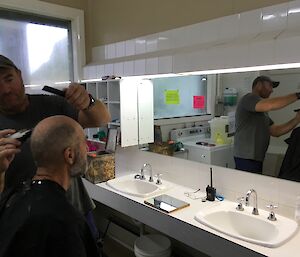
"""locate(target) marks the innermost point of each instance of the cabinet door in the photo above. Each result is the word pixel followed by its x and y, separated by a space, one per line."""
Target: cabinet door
pixel 145 112
pixel 129 114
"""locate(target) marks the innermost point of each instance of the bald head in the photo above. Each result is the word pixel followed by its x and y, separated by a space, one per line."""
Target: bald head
pixel 51 137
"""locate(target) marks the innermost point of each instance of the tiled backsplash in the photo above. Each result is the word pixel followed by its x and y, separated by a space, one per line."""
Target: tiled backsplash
pixel 228 182
pixel 264 36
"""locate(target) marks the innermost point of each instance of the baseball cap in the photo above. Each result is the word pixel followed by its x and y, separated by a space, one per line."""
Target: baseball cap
pixel 265 79
pixel 6 63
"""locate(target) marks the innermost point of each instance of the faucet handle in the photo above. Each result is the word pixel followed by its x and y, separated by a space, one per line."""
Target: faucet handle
pixel 272 213
pixel 158 176
pixel 240 201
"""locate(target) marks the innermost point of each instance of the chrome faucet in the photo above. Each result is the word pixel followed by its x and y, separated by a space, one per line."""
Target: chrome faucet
pixel 247 199
pixel 148 167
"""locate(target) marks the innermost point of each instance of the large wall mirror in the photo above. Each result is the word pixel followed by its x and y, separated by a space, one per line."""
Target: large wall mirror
pixel 189 112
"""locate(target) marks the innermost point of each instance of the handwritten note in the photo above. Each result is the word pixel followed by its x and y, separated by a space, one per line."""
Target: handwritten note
pixel 172 97
pixel 199 102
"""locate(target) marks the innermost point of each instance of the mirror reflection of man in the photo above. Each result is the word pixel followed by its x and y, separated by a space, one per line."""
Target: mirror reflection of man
pixel 254 126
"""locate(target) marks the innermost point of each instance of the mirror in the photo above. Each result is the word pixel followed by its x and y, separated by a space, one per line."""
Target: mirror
pixel 208 101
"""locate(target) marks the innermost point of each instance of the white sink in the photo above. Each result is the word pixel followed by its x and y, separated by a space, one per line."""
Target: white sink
pixel 136 187
pixel 257 229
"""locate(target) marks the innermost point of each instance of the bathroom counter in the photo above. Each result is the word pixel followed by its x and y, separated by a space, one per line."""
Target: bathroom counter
pixel 182 226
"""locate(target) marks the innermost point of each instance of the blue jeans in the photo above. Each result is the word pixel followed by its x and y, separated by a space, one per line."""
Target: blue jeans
pixel 248 165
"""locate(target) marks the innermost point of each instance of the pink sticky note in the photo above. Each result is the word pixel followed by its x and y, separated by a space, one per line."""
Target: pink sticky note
pixel 199 102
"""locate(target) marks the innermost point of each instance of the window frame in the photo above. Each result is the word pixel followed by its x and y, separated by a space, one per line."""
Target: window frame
pixel 75 16
pixel 14 15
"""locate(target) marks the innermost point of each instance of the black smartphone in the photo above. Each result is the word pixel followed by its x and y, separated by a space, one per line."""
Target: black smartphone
pixel 296 110
pixel 21 135
pixel 54 91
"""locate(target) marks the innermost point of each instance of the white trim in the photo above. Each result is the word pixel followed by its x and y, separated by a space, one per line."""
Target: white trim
pixel 76 17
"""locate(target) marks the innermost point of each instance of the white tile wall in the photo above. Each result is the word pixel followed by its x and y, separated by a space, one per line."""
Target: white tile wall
pixel 109 69
pixel 110 51
pixel 129 68
pixel 119 69
pixel 140 45
pixel 165 40
pixel 130 47
pixel 294 15
pixel 228 182
pixel 120 49
pixel 250 24
pixel 152 65
pixel 287 48
pixel 245 39
pixel 274 18
pixel 165 64
pixel 140 67
pixel 229 27
pixel 152 43
pixel 100 71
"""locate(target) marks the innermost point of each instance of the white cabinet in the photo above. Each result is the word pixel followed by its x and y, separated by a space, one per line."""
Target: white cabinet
pixel 132 116
pixel 219 155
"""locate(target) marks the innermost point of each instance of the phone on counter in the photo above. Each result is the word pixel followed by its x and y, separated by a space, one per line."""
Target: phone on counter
pixel 21 135
pixel 54 91
pixel 297 110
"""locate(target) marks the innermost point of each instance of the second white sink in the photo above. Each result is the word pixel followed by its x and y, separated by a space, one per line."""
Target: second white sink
pixel 243 225
pixel 136 187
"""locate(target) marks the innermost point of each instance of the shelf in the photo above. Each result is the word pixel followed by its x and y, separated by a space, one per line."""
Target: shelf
pixel 114 123
pixel 96 141
pixel 113 102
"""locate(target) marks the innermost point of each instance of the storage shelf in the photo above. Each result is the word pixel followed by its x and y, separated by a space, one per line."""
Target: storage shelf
pixel 114 123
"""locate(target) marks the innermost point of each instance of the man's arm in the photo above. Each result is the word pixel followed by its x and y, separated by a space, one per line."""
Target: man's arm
pixel 8 149
pixel 279 130
pixel 275 103
pixel 95 116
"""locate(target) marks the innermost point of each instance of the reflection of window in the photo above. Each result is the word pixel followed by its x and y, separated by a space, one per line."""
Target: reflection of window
pixel 39 46
pixel 182 96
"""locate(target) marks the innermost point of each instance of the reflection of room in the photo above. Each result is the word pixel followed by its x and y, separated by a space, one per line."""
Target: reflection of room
pixel 172 119
pixel 185 38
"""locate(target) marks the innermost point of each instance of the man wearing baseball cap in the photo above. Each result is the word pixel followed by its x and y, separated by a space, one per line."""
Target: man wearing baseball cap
pixel 23 111
pixel 253 126
pixel 6 63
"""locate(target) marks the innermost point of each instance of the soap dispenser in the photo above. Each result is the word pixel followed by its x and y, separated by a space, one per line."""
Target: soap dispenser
pixel 219 139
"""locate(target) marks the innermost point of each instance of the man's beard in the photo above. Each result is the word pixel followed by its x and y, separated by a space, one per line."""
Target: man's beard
pixel 80 166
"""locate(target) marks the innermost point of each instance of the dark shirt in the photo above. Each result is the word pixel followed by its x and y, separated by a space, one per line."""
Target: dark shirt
pixel 37 220
pixel 290 168
pixel 40 107
pixel 23 167
pixel 252 135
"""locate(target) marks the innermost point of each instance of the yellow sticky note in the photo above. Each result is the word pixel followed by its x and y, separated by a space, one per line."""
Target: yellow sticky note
pixel 172 97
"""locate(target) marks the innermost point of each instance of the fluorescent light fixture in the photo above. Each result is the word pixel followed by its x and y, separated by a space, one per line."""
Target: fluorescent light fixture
pixel 268 17
pixel 296 10
pixel 162 38
pixel 62 82
pixel 90 80
pixel 209 72
pixel 29 86
pixel 154 76
pixel 244 69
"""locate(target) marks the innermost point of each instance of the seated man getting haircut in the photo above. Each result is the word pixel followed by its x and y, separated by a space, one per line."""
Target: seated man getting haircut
pixel 36 219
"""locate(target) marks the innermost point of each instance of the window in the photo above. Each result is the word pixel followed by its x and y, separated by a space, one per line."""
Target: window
pixel 40 46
